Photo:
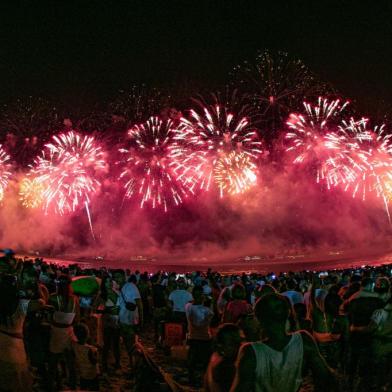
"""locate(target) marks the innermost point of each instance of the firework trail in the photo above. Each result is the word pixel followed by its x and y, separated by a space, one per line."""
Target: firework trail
pixel 31 192
pixel 316 139
pixel 147 165
pixel 5 171
pixel 234 173
pixel 210 133
pixel 68 168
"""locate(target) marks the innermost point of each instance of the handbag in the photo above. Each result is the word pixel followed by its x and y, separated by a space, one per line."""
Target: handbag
pixel 128 305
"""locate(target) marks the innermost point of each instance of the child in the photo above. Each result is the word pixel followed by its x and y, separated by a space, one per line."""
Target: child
pixel 221 369
pixel 86 359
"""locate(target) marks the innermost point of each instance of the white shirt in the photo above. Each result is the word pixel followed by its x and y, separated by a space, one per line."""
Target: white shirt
pixel 180 298
pixel 380 316
pixel 198 317
pixel 295 297
pixel 319 295
pixel 130 293
pixel 279 371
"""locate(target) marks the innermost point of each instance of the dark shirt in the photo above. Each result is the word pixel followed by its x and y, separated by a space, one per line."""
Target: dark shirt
pixel 158 296
pixel 360 310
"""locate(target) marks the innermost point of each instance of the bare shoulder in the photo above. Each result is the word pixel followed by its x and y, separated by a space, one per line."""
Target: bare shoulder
pixel 246 354
pixel 308 341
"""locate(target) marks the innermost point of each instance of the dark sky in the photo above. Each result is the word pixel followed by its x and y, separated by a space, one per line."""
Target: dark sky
pixel 92 48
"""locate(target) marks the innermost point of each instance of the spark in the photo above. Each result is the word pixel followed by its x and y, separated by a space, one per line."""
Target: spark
pixel 210 133
pixel 5 171
pixel 31 192
pixel 235 173
pixel 148 165
pixel 68 167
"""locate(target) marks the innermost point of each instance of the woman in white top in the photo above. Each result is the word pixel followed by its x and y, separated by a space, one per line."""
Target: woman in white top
pixel 66 314
pixel 14 374
pixel 275 363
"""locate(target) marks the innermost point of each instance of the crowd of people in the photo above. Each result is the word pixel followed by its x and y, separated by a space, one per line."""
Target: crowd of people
pixel 246 332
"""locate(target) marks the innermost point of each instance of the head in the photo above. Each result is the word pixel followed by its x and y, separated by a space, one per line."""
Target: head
pixel 119 277
pixel 29 278
pixel 355 278
pixel 332 304
pixel 106 287
pixel 334 289
pixel 81 332
pixel 238 291
pixel 291 285
pixel 197 294
pixel 228 341
pixel 132 279
pixel 181 284
pixel 155 279
pixel 383 285
pixel 367 284
pixel 272 311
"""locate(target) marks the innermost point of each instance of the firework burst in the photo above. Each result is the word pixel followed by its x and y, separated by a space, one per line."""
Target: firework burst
pixel 340 167
pixel 5 171
pixel 209 133
pixel 31 192
pixel 139 102
pixel 234 173
pixel 315 137
pixel 68 168
pixel 372 159
pixel 147 165
pixel 276 84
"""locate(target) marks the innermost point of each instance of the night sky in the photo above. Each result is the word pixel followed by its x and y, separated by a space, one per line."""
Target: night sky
pixel 92 48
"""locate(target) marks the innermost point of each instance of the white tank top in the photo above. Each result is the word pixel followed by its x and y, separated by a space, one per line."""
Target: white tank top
pixel 279 371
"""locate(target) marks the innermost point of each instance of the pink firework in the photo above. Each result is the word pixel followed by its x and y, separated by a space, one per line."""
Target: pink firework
pixel 340 166
pixel 312 134
pixel 68 169
pixel 372 159
pixel 209 133
pixel 148 165
pixel 5 171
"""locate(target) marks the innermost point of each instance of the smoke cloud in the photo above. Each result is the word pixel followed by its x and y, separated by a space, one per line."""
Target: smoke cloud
pixel 285 212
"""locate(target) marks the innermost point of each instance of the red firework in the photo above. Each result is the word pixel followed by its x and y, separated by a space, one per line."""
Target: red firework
pixel 148 166
pixel 209 133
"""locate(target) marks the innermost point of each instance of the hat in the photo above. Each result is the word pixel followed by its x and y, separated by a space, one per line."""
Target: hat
pixel 7 251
